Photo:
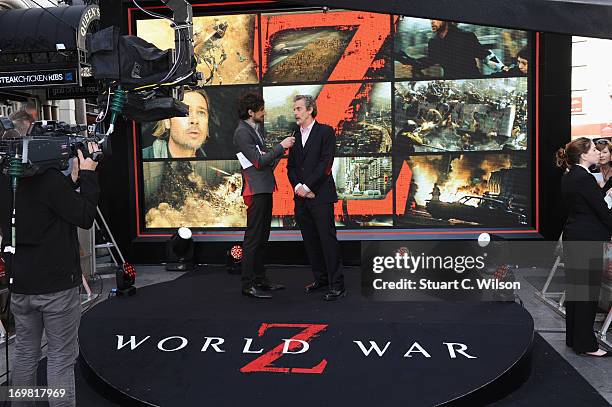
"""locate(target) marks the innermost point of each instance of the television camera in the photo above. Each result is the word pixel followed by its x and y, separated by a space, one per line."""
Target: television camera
pixel 48 144
pixel 142 82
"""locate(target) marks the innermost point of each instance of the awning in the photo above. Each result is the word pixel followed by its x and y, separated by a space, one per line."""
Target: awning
pixel 589 18
pixel 44 46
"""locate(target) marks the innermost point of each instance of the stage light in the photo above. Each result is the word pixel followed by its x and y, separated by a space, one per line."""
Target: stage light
pixel 484 239
pixel 236 252
pixel 402 251
pixel 179 251
pixel 126 277
pixel 234 259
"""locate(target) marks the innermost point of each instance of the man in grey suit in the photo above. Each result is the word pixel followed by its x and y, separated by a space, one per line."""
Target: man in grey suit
pixel 258 183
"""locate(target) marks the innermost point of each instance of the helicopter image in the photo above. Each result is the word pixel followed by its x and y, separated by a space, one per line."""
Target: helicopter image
pixel 209 50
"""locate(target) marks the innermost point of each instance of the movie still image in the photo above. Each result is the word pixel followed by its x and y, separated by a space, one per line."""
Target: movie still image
pixel 208 131
pixel 464 190
pixel 443 49
pixel 197 194
pixel 363 185
pixel 306 55
pixel 365 195
pixel 279 121
pixel 317 47
pixel 362 177
pixel 367 125
pixel 225 47
pixel 461 115
pixel 363 125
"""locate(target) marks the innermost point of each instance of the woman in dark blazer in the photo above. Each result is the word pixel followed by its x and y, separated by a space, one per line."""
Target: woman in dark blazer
pixel 588 225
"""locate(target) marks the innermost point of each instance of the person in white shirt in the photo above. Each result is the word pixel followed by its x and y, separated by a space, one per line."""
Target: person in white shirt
pixel 309 169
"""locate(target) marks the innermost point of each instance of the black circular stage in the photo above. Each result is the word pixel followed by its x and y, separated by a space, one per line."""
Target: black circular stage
pixel 195 341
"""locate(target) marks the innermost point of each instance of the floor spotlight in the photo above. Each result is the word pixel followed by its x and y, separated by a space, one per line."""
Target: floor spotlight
pixel 126 277
pixel 179 251
pixel 234 259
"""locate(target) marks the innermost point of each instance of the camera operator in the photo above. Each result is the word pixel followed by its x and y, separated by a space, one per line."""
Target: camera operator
pixel 46 269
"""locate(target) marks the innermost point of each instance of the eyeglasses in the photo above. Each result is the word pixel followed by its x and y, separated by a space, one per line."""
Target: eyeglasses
pixel 602 141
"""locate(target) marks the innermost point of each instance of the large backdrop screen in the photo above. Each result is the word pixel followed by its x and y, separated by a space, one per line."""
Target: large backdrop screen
pixel 431 119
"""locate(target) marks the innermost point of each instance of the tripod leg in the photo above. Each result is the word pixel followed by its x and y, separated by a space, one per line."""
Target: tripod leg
pixel 111 236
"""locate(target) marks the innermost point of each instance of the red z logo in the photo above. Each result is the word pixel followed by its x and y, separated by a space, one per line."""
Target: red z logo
pixel 264 362
pixel 334 100
pixel 371 32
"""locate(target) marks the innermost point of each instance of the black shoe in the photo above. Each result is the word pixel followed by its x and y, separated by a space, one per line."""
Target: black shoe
pixel 269 286
pixel 315 286
pixel 334 295
pixel 255 293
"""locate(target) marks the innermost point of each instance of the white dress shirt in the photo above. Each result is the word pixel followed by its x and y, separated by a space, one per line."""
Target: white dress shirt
pixel 305 131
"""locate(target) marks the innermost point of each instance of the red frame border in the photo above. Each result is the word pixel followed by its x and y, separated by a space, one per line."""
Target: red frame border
pixel 280 233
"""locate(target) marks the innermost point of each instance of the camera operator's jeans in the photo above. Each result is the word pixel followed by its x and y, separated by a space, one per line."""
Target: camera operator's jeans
pixel 59 314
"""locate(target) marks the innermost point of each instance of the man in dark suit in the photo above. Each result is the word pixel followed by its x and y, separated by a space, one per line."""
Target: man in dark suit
pixel 455 50
pixel 309 166
pixel 257 186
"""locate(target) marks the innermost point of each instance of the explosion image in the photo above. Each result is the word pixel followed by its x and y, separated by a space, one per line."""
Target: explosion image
pixel 467 189
pixel 195 194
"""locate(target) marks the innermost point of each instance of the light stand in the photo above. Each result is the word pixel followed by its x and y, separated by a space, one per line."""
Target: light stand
pixel 179 251
pixel 126 277
pixel 15 171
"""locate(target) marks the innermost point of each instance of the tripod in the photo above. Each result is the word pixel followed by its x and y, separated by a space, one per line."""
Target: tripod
pixel 556 300
pixel 15 171
pixel 107 245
